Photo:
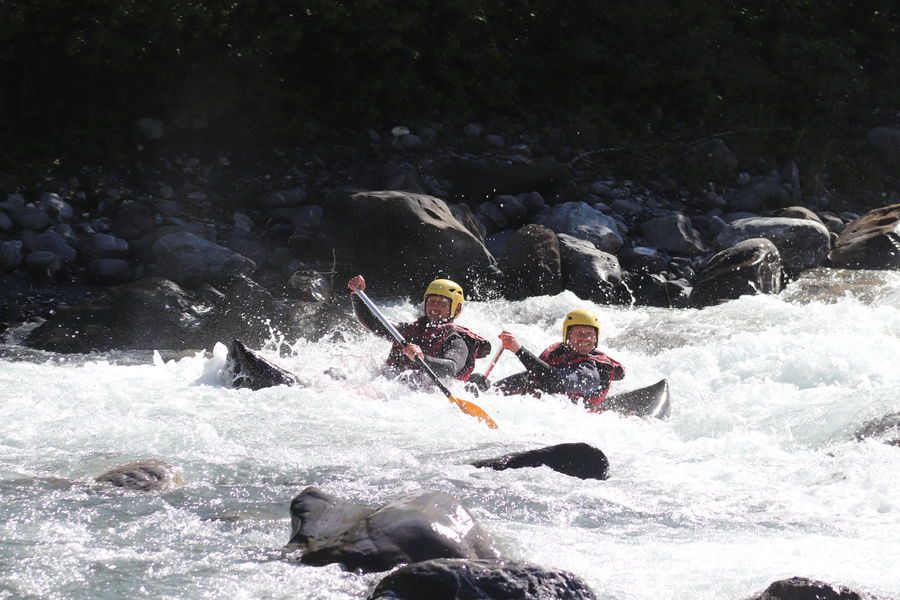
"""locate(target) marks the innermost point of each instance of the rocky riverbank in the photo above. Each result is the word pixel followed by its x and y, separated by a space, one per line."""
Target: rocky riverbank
pixel 172 250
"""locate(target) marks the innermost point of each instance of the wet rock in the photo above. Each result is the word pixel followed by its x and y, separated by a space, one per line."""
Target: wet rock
pixel 581 221
pixel 397 177
pixel 43 265
pixel 759 196
pixel 464 215
pixel 245 368
pixel 492 216
pixel 473 130
pixel 798 212
pixel 395 234
pixel 103 245
pixel 673 233
pixel 531 262
pixel 533 201
pixel 447 579
pixel 189 260
pixel 802 244
pixel 10 255
pixel 643 259
pixel 749 267
pixel 57 208
pixel 512 208
pixel 576 460
pixel 134 220
pixel 653 289
pixel 801 588
pixel 142 476
pixel 887 428
pixel 29 217
pixel 590 273
pixel 417 526
pixel 109 270
pixel 6 224
pixel 870 242
pixel 50 241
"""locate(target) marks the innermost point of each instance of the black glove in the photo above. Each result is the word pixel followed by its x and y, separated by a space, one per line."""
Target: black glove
pixel 480 381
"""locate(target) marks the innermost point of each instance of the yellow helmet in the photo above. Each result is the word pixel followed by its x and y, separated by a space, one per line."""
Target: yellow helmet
pixel 580 316
pixel 447 289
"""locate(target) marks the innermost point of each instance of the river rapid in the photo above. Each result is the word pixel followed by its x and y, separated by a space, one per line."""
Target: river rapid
pixel 755 477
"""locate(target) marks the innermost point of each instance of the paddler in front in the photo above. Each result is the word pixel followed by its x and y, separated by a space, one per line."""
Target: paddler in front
pixel 573 367
pixel 449 349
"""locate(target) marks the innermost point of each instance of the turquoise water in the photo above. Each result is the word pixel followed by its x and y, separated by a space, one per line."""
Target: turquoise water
pixel 754 477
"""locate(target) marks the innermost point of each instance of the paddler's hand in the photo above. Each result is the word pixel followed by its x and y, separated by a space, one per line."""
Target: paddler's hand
pixel 357 283
pixel 412 351
pixel 478 381
pixel 509 341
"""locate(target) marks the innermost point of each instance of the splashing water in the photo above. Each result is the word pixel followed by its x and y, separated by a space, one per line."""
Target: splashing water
pixel 754 478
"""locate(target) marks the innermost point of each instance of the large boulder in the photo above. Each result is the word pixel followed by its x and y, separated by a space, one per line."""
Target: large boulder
pixel 590 273
pixel 576 459
pixel 149 475
pixel 444 579
pixel 673 233
pixel 584 222
pixel 190 260
pixel 400 241
pixel 531 263
pixel 870 242
pixel 802 588
pixel 417 526
pixel 760 196
pixel 749 267
pixel 802 244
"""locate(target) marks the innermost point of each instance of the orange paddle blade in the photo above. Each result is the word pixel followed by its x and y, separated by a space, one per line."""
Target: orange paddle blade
pixel 474 410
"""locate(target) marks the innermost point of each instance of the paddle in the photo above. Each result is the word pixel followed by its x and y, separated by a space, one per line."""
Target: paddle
pixel 464 405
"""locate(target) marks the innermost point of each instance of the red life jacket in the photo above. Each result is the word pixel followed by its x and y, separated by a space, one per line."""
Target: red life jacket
pixel 561 355
pixel 432 338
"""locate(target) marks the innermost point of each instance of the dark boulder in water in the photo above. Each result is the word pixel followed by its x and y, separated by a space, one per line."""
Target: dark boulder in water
pixel 870 242
pixel 801 588
pixel 418 526
pixel 245 368
pixel 749 267
pixel 149 475
pixel 444 579
pixel 887 428
pixel 576 460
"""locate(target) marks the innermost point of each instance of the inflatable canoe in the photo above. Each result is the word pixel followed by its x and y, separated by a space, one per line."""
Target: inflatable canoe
pixel 650 401
pixel 244 368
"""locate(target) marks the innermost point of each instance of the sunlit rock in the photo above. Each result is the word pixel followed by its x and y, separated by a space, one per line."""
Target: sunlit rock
pixel 581 221
pixel 444 579
pixel 590 273
pixel 531 262
pixel 801 588
pixel 870 242
pixel 673 233
pixel 577 460
pixel 417 526
pixel 802 244
pixel 749 267
pixel 148 475
pixel 189 259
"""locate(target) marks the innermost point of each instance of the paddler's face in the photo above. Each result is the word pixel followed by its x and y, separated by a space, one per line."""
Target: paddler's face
pixel 582 338
pixel 437 308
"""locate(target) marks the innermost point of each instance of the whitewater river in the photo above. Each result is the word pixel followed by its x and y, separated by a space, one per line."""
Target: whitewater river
pixel 754 478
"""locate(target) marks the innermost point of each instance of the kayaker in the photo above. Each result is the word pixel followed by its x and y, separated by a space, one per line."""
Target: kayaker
pixel 573 367
pixel 449 349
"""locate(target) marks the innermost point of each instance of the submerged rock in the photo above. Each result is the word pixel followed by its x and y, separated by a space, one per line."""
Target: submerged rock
pixel 577 460
pixel 417 526
pixel 148 475
pixel 247 369
pixel 887 428
pixel 444 579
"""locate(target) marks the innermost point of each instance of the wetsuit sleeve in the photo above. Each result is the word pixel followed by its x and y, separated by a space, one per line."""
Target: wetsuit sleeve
pixel 368 320
pixel 584 378
pixel 455 354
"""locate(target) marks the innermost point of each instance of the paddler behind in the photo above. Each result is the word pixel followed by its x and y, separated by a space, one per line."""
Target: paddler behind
pixel 573 367
pixel 449 349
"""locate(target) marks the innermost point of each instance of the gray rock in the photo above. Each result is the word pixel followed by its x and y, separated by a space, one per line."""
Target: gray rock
pixel 30 217
pixel 512 208
pixel 760 196
pixel 103 245
pixel 109 270
pixel 56 208
pixel 886 428
pixel 448 579
pixel 410 141
pixel 583 222
pixel 749 267
pixel 151 129
pixel 870 242
pixel 13 201
pixel 798 212
pixel 790 175
pixel 495 140
pixel 399 131
pixel 6 224
pixel 51 241
pixel 133 221
pixel 142 476
pixel 473 130
pixel 716 225
pixel 627 207
pixel 802 244
pixel 673 233
pixel 497 242
pixel 643 258
pixel 492 216
pixel 531 262
pixel 190 260
pixel 44 265
pixel 834 223
pixel 414 527
pixel 802 588
pixel 590 273
pixel 285 198
pixel 464 215
pixel 533 201
pixel 242 222
pixel 10 255
pixel 709 160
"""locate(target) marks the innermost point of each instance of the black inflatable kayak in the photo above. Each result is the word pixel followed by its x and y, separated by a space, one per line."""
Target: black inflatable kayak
pixel 244 368
pixel 650 401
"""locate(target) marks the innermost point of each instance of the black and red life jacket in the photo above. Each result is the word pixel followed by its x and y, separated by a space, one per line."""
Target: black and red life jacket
pixel 561 355
pixel 432 338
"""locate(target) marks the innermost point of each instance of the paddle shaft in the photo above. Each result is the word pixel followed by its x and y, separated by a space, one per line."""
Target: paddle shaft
pixel 401 340
pixel 493 362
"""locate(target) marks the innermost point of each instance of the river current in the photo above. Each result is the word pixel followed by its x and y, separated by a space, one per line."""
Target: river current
pixel 755 477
